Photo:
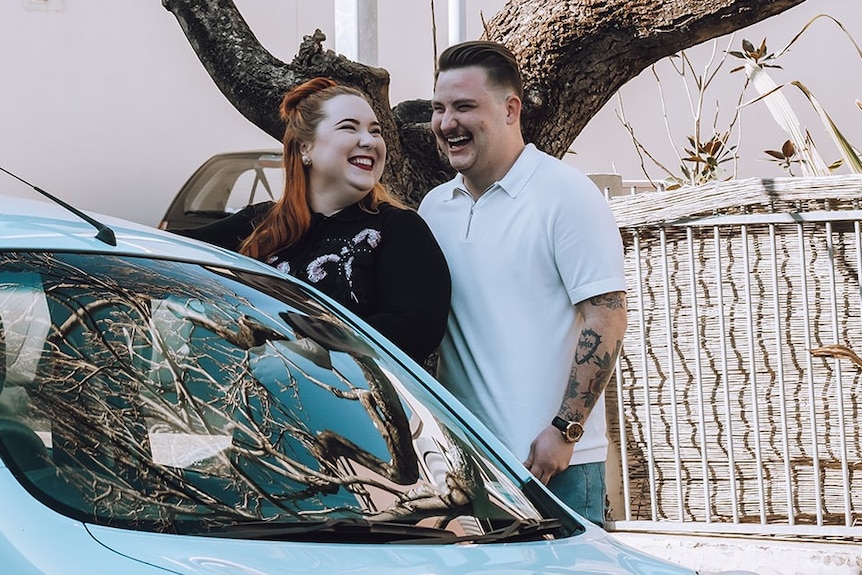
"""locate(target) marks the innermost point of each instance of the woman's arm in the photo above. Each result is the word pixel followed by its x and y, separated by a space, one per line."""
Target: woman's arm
pixel 413 286
pixel 229 232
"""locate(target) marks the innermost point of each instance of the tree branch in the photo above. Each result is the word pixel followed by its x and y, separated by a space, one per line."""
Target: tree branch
pixel 575 55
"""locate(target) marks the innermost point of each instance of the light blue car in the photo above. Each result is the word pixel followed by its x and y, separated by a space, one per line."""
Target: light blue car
pixel 169 407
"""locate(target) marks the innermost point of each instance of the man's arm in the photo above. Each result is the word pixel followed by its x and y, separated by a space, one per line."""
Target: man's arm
pixel 603 322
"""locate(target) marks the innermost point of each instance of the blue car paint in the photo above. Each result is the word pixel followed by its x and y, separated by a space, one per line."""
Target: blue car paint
pixel 37 540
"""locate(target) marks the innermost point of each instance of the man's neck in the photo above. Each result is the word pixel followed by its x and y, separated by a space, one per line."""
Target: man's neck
pixel 476 187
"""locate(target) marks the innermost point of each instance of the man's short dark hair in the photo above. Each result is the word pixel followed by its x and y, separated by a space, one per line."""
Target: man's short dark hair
pixel 497 61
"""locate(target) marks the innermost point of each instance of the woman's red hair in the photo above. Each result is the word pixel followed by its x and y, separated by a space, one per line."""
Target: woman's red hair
pixel 290 217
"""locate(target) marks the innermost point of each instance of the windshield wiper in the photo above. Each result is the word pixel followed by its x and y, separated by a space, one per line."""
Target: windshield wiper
pixel 517 530
pixel 341 530
pixel 364 531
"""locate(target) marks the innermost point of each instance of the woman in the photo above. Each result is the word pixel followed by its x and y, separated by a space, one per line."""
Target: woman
pixel 336 226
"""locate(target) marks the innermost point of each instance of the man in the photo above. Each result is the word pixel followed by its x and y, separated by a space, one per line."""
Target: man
pixel 538 284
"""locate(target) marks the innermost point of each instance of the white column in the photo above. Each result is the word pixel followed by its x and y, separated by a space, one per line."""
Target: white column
pixel 457 21
pixel 346 37
pixel 356 30
pixel 367 31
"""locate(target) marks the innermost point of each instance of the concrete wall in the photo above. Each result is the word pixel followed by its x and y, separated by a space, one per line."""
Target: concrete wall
pixel 104 103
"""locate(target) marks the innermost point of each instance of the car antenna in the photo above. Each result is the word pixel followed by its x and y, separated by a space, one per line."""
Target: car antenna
pixel 105 233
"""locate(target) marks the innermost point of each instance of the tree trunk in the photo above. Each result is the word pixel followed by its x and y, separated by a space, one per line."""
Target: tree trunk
pixel 575 55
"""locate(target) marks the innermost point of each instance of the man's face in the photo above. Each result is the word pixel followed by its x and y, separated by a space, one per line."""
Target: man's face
pixel 472 120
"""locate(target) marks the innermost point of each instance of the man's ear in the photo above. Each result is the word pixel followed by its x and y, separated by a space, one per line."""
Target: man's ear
pixel 513 109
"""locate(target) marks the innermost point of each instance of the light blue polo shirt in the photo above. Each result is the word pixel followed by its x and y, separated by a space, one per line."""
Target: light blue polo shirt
pixel 535 243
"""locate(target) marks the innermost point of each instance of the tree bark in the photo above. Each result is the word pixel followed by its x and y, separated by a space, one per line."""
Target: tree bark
pixel 575 55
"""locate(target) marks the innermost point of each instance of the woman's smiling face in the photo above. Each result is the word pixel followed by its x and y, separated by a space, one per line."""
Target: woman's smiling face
pixel 347 156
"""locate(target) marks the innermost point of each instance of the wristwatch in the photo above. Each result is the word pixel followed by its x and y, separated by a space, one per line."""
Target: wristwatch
pixel 572 430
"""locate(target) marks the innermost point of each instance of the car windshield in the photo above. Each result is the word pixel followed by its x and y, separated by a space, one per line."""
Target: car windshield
pixel 173 397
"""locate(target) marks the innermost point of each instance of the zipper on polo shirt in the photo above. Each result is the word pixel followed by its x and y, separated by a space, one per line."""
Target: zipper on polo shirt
pixel 472 210
pixel 470 221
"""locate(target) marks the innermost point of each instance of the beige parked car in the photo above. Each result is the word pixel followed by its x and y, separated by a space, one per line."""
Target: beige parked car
pixel 223 185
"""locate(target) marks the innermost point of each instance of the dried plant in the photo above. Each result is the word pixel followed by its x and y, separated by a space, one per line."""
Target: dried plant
pixel 708 148
pixel 799 149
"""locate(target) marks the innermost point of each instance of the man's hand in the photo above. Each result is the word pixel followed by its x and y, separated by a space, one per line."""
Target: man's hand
pixel 549 454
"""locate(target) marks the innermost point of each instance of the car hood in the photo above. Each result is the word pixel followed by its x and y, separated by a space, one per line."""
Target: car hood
pixel 594 552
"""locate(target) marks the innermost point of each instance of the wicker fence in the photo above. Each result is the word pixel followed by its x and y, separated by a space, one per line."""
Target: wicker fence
pixel 737 402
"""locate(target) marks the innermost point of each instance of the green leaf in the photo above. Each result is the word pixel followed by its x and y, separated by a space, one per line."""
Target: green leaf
pixel 848 153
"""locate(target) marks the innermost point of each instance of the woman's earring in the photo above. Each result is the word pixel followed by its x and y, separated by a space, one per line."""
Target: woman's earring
pixel 306 160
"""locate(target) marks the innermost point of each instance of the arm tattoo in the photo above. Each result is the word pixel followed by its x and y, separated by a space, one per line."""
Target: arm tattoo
pixel 570 415
pixel 592 369
pixel 587 346
pixel 597 383
pixel 602 376
pixel 574 385
pixel 613 300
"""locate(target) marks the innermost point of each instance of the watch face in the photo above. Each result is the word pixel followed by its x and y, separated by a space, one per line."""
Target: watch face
pixel 574 431
pixel 571 430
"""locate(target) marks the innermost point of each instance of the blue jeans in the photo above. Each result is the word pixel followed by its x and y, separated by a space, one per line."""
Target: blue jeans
pixel 582 487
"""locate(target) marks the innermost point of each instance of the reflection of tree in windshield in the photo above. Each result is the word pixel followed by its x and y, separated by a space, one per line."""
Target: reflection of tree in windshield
pixel 175 402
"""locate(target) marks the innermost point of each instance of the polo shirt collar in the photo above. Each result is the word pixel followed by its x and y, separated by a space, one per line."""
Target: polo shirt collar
pixel 514 180
pixel 519 174
pixel 458 187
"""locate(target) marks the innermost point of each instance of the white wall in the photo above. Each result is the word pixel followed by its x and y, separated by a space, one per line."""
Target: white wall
pixel 104 103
